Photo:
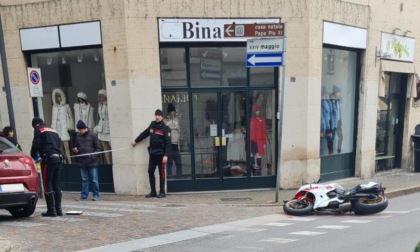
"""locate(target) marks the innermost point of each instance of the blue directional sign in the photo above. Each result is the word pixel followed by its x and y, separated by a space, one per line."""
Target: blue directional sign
pixel 264 59
pixel 264 52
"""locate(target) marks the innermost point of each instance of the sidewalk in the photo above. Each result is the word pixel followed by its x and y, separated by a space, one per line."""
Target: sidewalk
pixel 184 211
pixel 397 183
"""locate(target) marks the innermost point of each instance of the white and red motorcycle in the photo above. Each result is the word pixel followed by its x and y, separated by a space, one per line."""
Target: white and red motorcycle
pixel 362 199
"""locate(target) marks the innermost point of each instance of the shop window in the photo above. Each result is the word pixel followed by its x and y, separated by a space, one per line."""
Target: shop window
pixel 262 76
pixel 218 67
pixel 262 133
pixel 173 67
pixel 337 101
pixel 390 120
pixel 70 78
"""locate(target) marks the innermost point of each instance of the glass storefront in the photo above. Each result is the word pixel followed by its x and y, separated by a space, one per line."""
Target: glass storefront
pixel 223 119
pixel 176 110
pixel 390 121
pixel 338 105
pixel 74 89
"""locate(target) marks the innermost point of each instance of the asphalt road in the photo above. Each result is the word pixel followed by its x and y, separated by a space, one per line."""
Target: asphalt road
pixel 395 229
pixel 134 223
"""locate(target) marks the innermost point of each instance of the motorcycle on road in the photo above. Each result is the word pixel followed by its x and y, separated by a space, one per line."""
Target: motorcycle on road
pixel 314 197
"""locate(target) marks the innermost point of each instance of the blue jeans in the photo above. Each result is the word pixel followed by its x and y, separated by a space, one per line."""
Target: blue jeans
pixel 91 173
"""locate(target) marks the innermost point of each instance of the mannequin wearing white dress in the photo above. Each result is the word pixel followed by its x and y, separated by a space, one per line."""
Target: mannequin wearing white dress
pixel 102 128
pixel 62 120
pixel 83 111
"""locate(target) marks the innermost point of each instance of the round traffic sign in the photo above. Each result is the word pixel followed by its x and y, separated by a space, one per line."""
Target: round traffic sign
pixel 34 77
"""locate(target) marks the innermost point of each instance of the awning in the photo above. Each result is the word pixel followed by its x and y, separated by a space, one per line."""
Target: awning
pixel 399 67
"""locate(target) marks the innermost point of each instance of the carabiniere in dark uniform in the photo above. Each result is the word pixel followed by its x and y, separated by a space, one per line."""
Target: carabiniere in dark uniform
pixel 46 142
pixel 160 147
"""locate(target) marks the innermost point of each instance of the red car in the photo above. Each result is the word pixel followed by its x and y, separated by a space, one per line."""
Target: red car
pixel 19 188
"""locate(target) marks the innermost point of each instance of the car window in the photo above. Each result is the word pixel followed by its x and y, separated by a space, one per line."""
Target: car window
pixel 7 147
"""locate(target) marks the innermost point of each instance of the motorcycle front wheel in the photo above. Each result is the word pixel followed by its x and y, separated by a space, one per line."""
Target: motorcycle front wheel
pixel 298 207
pixel 370 205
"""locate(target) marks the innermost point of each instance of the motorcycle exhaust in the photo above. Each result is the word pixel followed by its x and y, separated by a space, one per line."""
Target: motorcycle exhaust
pixel 345 207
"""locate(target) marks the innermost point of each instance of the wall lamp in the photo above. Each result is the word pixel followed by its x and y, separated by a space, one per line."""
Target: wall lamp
pixel 49 60
pixel 395 30
pixel 80 58
pixel 407 31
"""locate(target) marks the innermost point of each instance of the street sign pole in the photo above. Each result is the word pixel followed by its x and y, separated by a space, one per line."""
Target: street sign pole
pixel 280 114
pixel 6 80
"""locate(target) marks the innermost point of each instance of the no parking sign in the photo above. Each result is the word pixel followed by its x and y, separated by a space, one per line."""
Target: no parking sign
pixel 35 82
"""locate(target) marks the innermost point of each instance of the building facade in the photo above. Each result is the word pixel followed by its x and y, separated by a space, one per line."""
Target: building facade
pixel 344 102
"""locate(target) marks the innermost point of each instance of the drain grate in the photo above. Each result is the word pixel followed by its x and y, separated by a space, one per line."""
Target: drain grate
pixel 235 199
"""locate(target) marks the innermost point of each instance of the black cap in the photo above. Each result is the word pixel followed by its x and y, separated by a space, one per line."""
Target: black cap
pixel 36 121
pixel 158 112
pixel 170 108
pixel 81 125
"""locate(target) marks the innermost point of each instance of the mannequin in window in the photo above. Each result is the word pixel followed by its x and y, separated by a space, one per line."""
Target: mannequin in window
pixel 326 119
pixel 102 128
pixel 83 111
pixel 257 139
pixel 173 123
pixel 336 116
pixel 62 120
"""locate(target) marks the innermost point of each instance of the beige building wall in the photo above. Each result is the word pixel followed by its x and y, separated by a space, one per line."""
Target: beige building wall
pixel 131 58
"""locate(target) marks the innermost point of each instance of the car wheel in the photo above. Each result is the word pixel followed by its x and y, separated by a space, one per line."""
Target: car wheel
pixel 22 212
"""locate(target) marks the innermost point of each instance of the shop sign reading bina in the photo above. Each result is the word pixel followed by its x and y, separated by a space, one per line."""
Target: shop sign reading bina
pixel 201 30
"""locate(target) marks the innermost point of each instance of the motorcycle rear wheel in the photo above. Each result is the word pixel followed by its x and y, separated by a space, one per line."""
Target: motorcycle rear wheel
pixel 298 207
pixel 370 205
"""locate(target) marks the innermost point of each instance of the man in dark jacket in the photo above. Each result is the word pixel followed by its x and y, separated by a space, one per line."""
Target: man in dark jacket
pixel 46 142
pixel 86 143
pixel 159 149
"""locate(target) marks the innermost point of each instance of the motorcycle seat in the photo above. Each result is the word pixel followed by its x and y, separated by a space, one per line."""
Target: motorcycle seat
pixel 369 185
pixel 349 191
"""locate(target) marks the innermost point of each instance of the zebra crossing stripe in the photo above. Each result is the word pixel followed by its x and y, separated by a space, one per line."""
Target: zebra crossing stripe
pixel 278 240
pixel 250 230
pixel 279 224
pixel 356 221
pixel 333 227
pixel 379 216
pixel 247 248
pixel 395 212
pixel 309 233
pixel 294 218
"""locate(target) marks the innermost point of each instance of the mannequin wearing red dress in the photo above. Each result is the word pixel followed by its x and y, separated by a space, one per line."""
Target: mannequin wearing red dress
pixel 257 139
